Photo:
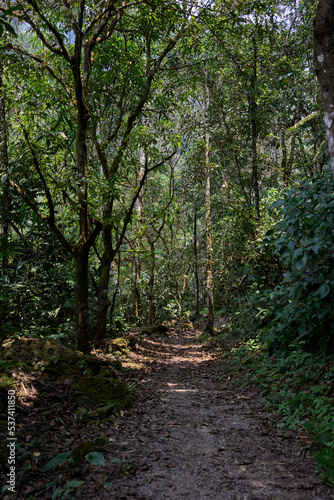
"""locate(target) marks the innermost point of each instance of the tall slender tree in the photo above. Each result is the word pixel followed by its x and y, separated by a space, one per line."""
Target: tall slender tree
pixel 324 65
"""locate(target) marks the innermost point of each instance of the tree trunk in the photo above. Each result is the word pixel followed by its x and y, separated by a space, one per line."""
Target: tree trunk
pixel 324 65
pixel 151 285
pixel 287 176
pixel 253 116
pixel 117 267
pixel 284 161
pixel 196 280
pixel 4 168
pixel 136 291
pixel 81 157
pixel 82 263
pixel 136 265
pixel 209 280
pixel 103 301
pixel 82 306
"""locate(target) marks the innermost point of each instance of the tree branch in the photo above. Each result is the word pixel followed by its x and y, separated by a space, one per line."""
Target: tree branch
pixel 40 173
pixel 132 118
pixel 57 232
pixel 59 51
pixel 44 64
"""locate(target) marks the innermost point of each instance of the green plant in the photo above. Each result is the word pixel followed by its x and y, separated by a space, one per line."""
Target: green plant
pixel 67 491
pixel 92 451
pixel 300 307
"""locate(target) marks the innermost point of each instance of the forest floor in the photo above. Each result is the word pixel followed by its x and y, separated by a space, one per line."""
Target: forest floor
pixel 190 433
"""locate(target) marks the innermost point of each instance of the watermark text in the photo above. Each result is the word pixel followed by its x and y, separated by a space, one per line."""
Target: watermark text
pixel 11 442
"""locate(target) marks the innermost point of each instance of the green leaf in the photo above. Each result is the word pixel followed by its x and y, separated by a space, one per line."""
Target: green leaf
pixel 9 27
pixel 81 451
pixel 57 460
pixel 323 290
pixel 74 484
pixel 298 252
pixel 302 263
pixel 95 458
pixel 57 493
pixel 12 9
pixel 279 203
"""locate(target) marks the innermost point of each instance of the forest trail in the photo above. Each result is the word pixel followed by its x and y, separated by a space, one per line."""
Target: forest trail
pixel 191 434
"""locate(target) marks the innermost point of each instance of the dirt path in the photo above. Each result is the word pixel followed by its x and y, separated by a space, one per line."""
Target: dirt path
pixel 191 435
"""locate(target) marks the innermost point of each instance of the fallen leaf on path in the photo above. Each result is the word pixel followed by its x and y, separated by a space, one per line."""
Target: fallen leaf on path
pixel 258 484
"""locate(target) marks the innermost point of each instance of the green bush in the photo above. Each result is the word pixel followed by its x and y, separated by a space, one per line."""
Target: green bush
pixel 300 307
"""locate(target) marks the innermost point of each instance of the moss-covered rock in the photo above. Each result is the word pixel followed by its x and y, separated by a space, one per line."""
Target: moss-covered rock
pixel 119 344
pixel 7 382
pixel 132 341
pixel 156 328
pixel 52 358
pixel 102 412
pixel 118 354
pixel 91 380
pixel 60 369
pixel 186 325
pixel 100 391
pixel 30 351
pixel 148 330
pixel 170 324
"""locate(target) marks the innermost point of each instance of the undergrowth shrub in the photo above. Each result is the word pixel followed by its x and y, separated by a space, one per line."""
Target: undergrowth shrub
pixel 300 308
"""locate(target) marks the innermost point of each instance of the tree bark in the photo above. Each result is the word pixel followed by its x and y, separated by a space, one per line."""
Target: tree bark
pixel 81 155
pixel 108 256
pixel 117 267
pixel 284 161
pixel 151 285
pixel 136 291
pixel 196 280
pixel 209 280
pixel 253 116
pixel 136 264
pixel 324 65
pixel 103 301
pixel 82 306
pixel 82 264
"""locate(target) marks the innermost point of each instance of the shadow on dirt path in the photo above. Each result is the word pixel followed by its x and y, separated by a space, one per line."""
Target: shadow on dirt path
pixel 191 435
